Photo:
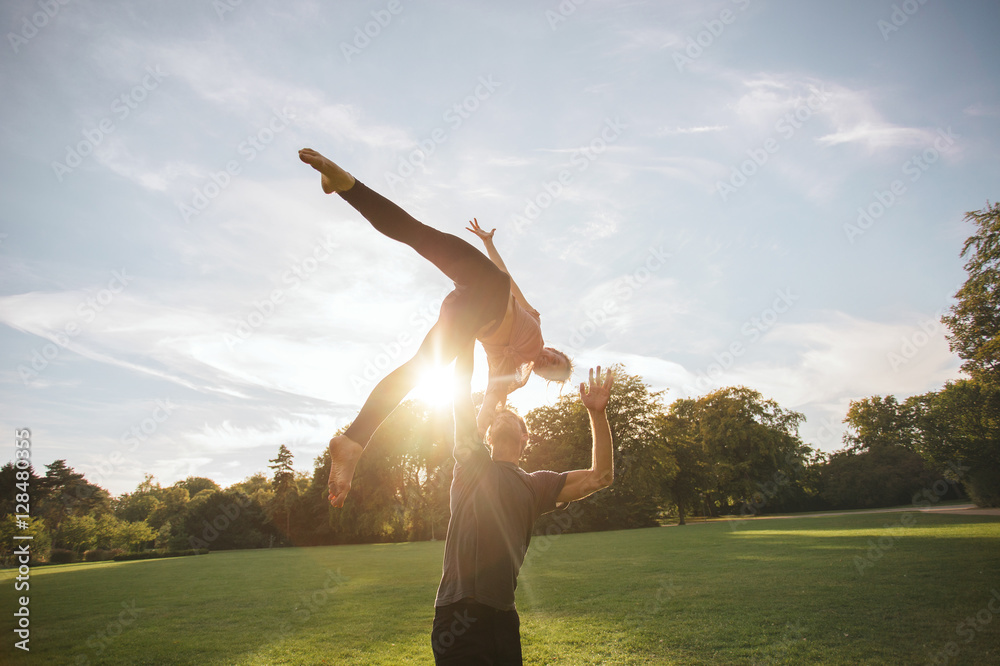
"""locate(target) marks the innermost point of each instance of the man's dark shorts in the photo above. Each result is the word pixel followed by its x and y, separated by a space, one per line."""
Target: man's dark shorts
pixel 467 633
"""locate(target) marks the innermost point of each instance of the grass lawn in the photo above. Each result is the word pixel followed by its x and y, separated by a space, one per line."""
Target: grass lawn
pixel 858 589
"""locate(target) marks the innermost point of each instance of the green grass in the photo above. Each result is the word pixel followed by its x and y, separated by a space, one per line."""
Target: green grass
pixel 769 592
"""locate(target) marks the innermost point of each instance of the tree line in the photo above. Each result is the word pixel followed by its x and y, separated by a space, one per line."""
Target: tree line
pixel 732 452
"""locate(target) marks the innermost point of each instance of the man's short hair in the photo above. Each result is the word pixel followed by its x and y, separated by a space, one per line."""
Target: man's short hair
pixel 507 427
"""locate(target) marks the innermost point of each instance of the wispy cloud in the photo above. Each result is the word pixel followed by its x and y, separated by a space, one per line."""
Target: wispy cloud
pixel 691 130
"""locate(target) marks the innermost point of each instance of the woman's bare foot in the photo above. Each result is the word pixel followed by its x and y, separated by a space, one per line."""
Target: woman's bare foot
pixel 344 456
pixel 334 178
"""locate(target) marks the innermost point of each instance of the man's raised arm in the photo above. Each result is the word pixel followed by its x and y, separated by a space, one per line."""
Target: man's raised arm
pixel 583 482
pixel 465 411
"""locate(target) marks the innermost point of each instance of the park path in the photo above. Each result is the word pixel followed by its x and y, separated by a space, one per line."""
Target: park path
pixel 956 509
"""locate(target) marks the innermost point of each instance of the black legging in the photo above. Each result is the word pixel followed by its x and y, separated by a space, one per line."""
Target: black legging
pixel 480 296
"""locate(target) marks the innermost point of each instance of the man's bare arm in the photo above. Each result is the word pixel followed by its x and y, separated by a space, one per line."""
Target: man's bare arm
pixel 583 482
pixel 465 411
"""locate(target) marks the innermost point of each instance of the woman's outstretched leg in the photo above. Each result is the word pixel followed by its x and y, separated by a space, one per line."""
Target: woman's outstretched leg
pixel 334 179
pixel 481 295
pixel 454 257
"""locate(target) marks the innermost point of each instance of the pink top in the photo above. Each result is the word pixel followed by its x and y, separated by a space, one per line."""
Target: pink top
pixel 512 362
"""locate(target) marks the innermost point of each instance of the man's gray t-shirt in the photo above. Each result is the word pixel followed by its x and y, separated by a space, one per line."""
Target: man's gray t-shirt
pixel 494 506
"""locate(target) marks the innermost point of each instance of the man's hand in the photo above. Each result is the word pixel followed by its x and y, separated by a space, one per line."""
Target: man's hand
pixel 595 397
pixel 582 482
pixel 479 231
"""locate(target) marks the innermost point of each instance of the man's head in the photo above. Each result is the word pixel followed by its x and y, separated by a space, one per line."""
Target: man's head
pixel 507 436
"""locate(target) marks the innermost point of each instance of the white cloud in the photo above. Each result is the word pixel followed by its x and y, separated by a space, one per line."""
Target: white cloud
pixel 701 129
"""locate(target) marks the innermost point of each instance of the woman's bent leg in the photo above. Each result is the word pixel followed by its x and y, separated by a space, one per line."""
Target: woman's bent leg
pixel 440 346
pixel 384 398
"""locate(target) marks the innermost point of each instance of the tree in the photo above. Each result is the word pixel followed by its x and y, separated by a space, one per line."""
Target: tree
pixel 66 493
pixel 196 484
pixel 172 507
pixel 752 443
pixel 227 520
pixel 285 490
pixel 41 543
pixel 140 504
pixel 875 477
pixel 9 482
pixel 975 319
pixel 77 533
pixel 691 465
pixel 132 536
pixel 959 431
pixel 561 441
pixel 257 486
pixel 879 422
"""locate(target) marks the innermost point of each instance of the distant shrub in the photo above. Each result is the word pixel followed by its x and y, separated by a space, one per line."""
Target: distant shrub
pixel 152 554
pixel 62 556
pixel 102 554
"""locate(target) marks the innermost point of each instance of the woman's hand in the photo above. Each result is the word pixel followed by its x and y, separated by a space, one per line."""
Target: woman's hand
pixel 479 231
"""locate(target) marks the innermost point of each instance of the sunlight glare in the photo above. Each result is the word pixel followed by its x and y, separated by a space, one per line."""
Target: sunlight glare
pixel 436 386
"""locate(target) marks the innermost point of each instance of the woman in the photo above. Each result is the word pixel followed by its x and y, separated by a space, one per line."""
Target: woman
pixel 485 304
pixel 515 349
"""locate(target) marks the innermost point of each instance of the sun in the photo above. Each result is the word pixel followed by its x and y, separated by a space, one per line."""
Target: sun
pixel 436 387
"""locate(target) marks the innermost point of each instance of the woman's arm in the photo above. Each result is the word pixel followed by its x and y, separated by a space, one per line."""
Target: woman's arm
pixel 491 250
pixel 496 397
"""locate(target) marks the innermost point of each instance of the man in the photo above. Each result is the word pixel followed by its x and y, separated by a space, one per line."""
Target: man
pixel 494 504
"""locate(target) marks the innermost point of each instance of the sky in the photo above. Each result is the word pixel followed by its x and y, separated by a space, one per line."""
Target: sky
pixel 733 192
